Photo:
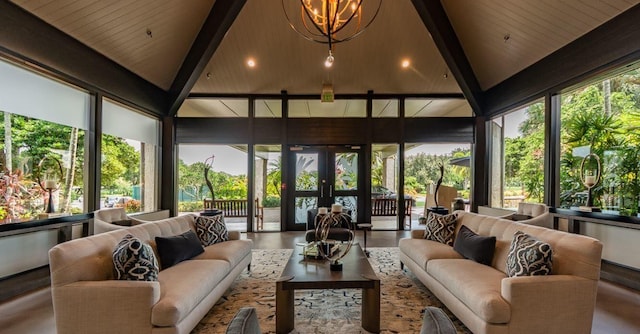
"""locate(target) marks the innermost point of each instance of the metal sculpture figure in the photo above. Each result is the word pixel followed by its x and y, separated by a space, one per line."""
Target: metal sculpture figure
pixel 208 164
pixel 435 194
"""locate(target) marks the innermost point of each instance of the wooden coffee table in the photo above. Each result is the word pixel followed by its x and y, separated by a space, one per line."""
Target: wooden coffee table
pixel 356 274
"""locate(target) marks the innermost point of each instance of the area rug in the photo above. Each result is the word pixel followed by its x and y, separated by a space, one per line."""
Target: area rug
pixel 403 299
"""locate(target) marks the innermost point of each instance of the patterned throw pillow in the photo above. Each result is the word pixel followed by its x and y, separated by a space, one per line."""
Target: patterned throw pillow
pixel 134 260
pixel 528 256
pixel 211 230
pixel 441 228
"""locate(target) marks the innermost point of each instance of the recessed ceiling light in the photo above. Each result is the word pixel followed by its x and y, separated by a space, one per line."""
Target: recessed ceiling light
pixel 406 63
pixel 251 62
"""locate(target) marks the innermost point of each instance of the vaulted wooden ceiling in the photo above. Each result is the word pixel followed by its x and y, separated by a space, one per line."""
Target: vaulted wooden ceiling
pixel 482 49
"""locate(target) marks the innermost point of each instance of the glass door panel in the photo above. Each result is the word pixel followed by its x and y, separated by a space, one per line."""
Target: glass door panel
pixel 323 176
pixel 306 171
pixel 346 176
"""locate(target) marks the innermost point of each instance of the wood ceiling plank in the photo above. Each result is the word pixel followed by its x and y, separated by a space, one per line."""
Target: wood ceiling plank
pixel 222 15
pixel 617 41
pixel 436 21
pixel 28 37
pixel 117 29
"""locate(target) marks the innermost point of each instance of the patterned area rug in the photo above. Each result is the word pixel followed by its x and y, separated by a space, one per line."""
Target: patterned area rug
pixel 403 298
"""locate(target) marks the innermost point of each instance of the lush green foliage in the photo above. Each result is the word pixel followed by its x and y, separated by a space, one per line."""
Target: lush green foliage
pixel 423 169
pixel 33 139
pixel 610 131
pixel 524 157
pixel 192 183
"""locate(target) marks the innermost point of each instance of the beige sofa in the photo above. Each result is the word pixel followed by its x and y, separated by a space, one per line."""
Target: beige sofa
pixel 87 298
pixel 487 301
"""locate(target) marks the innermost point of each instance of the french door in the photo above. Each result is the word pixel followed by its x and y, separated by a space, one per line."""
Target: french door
pixel 321 176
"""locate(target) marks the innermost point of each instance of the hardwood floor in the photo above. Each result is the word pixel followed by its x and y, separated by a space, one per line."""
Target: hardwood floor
pixel 617 308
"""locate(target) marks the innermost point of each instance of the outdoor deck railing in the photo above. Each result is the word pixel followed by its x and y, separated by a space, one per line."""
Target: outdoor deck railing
pixel 236 208
pixel 389 207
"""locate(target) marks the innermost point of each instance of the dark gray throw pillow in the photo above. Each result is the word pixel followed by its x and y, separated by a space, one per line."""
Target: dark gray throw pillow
pixel 475 247
pixel 173 250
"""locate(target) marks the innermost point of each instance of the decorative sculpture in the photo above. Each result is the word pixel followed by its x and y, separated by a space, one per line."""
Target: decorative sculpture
pixel 49 166
pixel 435 194
pixel 590 178
pixel 209 210
pixel 335 219
pixel 439 209
pixel 208 164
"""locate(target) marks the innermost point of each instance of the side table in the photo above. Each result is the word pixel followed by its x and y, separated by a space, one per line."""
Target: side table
pixel 365 227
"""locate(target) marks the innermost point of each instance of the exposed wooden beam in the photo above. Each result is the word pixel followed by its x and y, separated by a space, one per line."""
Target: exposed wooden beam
pixel 220 18
pixel 337 96
pixel 26 37
pixel 614 43
pixel 436 21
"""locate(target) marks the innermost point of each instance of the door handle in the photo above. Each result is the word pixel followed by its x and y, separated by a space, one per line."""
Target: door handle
pixel 330 191
pixel 322 188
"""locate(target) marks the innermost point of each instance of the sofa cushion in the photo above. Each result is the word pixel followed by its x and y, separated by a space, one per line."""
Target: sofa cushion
pixel 528 256
pixel 232 251
pixel 211 229
pixel 441 228
pixel 134 260
pixel 476 285
pixel 473 246
pixel 175 249
pixel 184 286
pixel 421 251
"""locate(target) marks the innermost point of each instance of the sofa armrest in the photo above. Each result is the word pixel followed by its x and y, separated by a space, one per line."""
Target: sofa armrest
pixel 417 234
pixel 110 306
pixel 542 304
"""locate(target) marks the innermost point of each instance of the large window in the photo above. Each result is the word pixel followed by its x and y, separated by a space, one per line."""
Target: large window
pixel 267 187
pixel 129 159
pixel 335 109
pixel 602 119
pixel 42 141
pixel 215 108
pixel 425 164
pixel 227 173
pixel 384 185
pixel 517 156
pixel 416 108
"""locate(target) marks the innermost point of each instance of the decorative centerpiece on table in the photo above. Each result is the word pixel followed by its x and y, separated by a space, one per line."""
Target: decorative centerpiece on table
pixel 209 210
pixel 333 251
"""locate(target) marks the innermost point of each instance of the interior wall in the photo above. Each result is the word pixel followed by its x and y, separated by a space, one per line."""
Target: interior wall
pixel 27 251
pixel 620 244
